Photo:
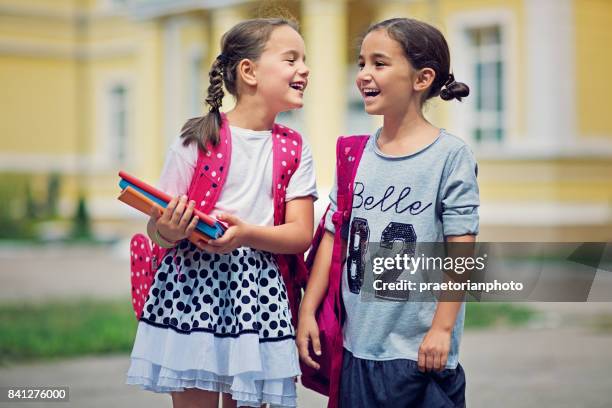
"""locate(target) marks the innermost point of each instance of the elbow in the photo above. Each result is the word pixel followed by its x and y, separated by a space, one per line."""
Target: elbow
pixel 303 243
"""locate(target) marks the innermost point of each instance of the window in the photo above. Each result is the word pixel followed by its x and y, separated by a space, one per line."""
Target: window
pixel 118 122
pixel 488 71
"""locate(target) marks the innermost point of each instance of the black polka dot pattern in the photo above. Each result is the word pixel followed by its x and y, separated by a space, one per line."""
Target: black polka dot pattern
pixel 227 295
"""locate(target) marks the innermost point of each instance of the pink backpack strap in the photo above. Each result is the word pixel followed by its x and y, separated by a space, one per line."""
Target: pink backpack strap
pixel 349 150
pixel 287 154
pixel 329 314
pixel 211 170
pixel 348 155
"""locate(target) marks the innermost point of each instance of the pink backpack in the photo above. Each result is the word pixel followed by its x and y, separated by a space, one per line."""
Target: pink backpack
pixel 206 185
pixel 326 380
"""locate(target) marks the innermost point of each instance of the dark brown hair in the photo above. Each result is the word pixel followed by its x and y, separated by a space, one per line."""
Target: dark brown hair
pixel 246 40
pixel 425 47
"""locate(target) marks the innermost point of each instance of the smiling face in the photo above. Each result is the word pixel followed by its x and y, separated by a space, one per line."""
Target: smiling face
pixel 281 72
pixel 386 77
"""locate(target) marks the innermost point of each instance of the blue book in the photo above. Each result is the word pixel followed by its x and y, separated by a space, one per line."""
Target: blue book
pixel 212 232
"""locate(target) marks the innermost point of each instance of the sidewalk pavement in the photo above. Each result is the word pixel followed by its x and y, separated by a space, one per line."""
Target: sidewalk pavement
pixel 561 368
pixel 563 362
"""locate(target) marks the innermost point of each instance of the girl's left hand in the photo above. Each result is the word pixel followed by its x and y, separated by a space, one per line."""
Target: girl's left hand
pixel 234 236
pixel 433 352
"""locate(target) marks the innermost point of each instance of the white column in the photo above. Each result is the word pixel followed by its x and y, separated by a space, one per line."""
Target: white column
pixel 149 105
pixel 393 9
pixel 173 78
pixel 324 27
pixel 550 72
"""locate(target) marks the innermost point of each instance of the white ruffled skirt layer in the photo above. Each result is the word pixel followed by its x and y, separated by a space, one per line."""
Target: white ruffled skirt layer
pixel 253 372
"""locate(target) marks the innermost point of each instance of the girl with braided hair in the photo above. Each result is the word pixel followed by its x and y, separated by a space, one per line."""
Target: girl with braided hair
pixel 217 318
pixel 414 183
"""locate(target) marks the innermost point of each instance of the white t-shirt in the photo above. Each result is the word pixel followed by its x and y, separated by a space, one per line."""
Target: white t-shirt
pixel 247 192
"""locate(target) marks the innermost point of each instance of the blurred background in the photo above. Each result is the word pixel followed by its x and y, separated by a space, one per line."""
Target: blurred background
pixel 94 86
pixel 91 87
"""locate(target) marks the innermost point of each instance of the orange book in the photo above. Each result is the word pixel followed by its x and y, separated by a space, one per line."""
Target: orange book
pixel 143 204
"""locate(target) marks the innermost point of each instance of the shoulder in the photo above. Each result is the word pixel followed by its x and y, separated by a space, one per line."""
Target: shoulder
pixel 451 141
pixel 456 154
pixel 187 153
pixel 452 146
pixel 282 131
pixel 292 137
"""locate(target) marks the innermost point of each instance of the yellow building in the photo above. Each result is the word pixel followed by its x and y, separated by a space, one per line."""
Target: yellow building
pixel 93 86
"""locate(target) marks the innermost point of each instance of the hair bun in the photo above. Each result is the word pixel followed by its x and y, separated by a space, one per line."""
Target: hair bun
pixel 454 90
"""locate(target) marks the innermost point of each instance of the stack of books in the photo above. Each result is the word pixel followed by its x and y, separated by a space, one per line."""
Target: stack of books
pixel 142 196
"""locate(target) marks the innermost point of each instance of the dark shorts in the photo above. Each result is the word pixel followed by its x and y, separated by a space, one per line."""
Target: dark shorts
pixel 398 383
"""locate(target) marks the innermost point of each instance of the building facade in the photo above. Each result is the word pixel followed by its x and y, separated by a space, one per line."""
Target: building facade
pixel 94 86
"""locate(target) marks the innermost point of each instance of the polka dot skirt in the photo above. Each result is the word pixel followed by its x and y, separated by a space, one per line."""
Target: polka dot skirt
pixel 227 295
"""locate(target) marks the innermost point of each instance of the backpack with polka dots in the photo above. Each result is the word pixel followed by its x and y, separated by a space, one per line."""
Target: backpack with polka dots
pixel 329 315
pixel 208 179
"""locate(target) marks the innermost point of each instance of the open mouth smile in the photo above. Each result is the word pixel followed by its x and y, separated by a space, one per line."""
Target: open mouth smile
pixel 370 92
pixel 299 86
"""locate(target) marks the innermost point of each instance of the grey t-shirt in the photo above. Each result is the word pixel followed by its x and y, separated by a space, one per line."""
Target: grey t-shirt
pixel 422 197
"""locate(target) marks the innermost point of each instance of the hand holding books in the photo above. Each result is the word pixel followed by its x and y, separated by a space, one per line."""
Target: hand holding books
pixel 147 198
pixel 175 223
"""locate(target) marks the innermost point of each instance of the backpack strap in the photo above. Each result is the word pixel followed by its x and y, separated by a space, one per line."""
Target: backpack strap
pixel 211 170
pixel 348 155
pixel 349 150
pixel 286 154
pixel 329 314
pixel 286 157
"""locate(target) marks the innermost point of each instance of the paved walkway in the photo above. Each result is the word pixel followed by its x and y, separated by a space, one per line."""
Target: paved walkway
pixel 563 362
pixel 561 368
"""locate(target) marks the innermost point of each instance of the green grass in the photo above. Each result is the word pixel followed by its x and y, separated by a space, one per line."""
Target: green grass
pixel 59 330
pixel 485 315
pixel 602 322
pixel 70 329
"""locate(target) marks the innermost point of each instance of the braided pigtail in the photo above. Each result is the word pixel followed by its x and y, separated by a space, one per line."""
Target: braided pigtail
pixel 205 129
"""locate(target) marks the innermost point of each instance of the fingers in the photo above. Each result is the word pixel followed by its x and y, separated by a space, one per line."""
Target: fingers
pixel 178 210
pixel 422 360
pixel 437 362
pixel 316 342
pixel 443 361
pixel 229 219
pixel 186 217
pixel 221 245
pixel 192 226
pixel 201 243
pixel 221 242
pixel 169 210
pixel 429 361
pixel 305 352
pixel 155 213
